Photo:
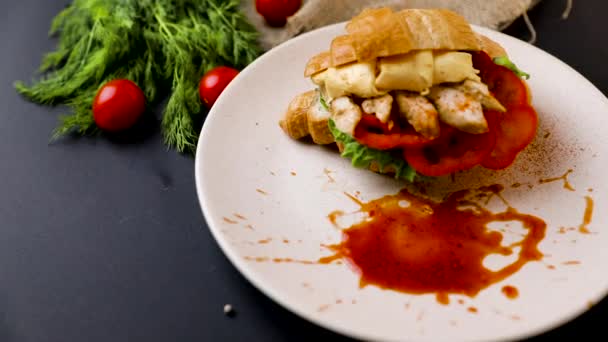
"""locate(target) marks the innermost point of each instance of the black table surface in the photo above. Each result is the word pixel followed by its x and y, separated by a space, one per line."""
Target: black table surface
pixel 104 240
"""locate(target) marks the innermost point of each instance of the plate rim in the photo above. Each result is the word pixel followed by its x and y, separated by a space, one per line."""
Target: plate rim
pixel 274 294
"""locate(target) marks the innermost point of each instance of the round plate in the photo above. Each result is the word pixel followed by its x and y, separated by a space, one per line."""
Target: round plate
pixel 266 197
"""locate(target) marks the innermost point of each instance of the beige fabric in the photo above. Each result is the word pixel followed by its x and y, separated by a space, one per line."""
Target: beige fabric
pixel 494 14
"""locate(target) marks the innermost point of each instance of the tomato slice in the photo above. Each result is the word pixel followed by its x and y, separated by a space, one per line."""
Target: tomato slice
pixel 460 151
pixel 507 87
pixel 371 132
pixel 516 129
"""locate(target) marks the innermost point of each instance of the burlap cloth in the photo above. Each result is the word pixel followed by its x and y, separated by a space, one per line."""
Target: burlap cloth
pixel 494 14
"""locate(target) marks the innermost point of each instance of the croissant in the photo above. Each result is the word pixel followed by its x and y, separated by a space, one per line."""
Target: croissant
pixel 415 90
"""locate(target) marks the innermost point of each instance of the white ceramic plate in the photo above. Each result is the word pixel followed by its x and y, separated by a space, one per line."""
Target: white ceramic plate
pixel 265 195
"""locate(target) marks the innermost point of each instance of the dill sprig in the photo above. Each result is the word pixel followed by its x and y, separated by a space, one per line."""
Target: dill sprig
pixel 162 45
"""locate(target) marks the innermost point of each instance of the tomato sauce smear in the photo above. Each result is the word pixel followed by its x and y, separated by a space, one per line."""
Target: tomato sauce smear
pixel 419 246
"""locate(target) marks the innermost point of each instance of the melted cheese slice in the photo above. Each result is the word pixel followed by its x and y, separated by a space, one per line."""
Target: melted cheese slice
pixel 412 71
pixel 415 71
pixel 453 67
pixel 357 79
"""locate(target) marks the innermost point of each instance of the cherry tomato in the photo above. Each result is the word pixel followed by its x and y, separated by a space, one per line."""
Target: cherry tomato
pixel 457 152
pixel 516 129
pixel 118 105
pixel 214 82
pixel 386 138
pixel 276 12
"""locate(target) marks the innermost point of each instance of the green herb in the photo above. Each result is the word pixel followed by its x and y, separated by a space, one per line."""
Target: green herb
pixel 506 62
pixel 362 156
pixel 162 45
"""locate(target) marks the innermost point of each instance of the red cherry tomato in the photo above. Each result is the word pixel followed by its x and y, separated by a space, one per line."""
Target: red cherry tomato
pixel 214 82
pixel 276 12
pixel 457 152
pixel 118 105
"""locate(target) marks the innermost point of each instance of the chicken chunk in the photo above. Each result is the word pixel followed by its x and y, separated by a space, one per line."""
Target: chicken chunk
pixel 380 106
pixel 459 110
pixel 481 93
pixel 346 114
pixel 419 112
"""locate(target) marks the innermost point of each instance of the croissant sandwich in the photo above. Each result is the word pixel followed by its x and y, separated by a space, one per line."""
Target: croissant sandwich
pixel 415 92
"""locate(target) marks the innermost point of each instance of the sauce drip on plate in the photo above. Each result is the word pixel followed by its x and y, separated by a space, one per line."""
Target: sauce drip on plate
pixel 416 245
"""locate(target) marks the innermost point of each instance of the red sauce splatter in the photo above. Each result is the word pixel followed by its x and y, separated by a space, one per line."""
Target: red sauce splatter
pixel 433 247
pixel 583 228
pixel 563 178
pixel 239 216
pixel 571 262
pixel 227 220
pixel 264 241
pixel 551 267
pixel 323 308
pixel 472 309
pixel 510 291
pixel 443 298
pixel 279 260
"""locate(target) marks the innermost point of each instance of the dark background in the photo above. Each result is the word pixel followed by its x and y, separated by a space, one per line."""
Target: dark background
pixel 102 240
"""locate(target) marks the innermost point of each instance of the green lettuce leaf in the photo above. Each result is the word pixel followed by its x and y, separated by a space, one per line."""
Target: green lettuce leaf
pixel 506 62
pixel 322 100
pixel 362 156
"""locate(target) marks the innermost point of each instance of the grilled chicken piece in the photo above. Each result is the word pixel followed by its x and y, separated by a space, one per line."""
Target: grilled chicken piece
pixel 346 114
pixel 317 117
pixel 381 106
pixel 459 110
pixel 480 92
pixel 294 123
pixel 419 112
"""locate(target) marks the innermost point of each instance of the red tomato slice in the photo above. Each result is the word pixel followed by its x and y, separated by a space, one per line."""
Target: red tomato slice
pixel 516 129
pixel 461 151
pixel 371 132
pixel 507 87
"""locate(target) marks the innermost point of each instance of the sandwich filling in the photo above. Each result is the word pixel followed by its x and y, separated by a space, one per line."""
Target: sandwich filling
pixel 379 111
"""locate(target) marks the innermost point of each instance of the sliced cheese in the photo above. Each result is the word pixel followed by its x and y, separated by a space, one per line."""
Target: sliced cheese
pixel 453 67
pixel 412 71
pixel 356 79
pixel 415 71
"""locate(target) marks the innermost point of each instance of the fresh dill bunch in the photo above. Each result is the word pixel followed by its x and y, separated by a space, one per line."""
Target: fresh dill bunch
pixel 161 45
